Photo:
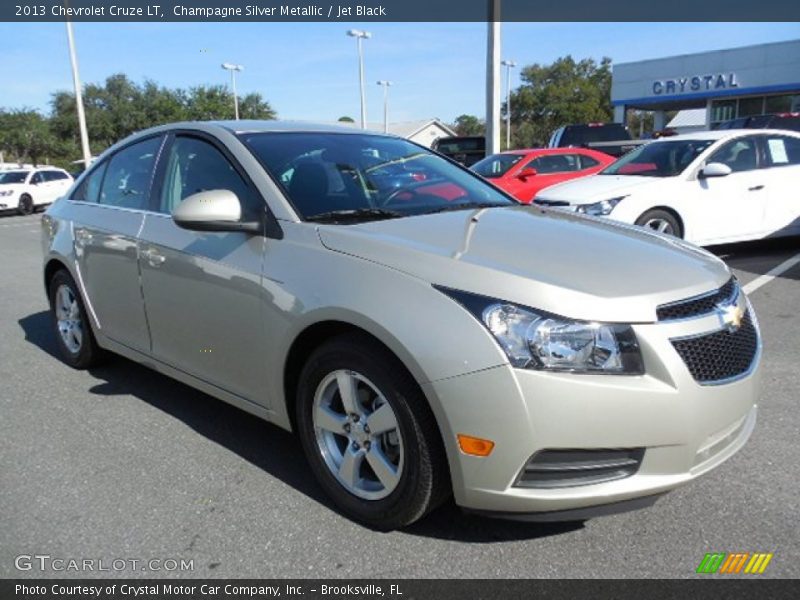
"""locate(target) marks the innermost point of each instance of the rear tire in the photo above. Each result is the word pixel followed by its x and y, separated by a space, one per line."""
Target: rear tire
pixel 410 475
pixel 661 221
pixel 25 206
pixel 71 326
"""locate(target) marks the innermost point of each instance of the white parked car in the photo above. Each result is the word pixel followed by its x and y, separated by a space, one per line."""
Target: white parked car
pixel 25 190
pixel 710 187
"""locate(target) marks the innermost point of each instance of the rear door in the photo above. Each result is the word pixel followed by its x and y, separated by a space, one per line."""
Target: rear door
pixel 202 290
pixel 782 156
pixel 109 209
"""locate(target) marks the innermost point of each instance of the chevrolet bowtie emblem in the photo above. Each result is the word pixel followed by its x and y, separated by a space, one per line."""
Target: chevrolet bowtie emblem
pixel 731 314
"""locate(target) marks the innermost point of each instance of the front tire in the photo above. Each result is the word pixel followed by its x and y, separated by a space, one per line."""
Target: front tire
pixel 71 326
pixel 369 435
pixel 661 221
pixel 25 206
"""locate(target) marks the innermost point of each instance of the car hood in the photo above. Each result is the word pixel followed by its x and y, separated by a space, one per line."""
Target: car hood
pixel 595 188
pixel 564 263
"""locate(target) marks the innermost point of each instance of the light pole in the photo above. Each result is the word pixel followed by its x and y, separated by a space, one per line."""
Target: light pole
pixel 385 85
pixel 493 81
pixel 361 35
pixel 233 69
pixel 508 64
pixel 76 80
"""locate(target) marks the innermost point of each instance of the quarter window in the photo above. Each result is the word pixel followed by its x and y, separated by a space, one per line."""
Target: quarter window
pixel 587 162
pixel 129 172
pixel 89 189
pixel 739 155
pixel 193 166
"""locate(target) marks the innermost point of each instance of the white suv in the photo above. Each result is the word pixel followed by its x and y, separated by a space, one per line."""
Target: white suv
pixel 24 190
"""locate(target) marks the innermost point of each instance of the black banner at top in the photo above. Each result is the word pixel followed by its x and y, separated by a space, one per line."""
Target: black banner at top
pixel 397 10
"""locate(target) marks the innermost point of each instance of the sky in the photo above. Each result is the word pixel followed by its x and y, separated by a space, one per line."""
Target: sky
pixel 309 71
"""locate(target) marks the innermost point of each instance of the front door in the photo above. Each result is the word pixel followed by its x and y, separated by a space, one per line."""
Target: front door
pixel 729 208
pixel 202 290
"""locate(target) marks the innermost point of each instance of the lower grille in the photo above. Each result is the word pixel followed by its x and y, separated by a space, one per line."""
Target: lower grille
pixel 569 468
pixel 722 355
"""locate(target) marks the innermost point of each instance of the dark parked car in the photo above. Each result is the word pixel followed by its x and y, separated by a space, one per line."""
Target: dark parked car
pixel 790 121
pixel 612 138
pixel 464 149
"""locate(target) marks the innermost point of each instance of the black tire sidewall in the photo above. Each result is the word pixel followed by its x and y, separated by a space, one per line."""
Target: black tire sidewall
pixel 89 351
pixel 21 207
pixel 411 497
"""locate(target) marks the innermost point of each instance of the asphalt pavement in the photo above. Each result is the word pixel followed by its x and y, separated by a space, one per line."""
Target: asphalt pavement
pixel 121 463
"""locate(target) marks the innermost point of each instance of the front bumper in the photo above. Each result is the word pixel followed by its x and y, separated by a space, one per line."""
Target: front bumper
pixel 685 428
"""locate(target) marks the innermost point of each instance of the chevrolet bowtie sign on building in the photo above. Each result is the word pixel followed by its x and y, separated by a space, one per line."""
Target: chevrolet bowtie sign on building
pixel 731 563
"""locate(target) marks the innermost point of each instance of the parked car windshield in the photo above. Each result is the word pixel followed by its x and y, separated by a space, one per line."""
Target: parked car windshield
pixel 658 159
pixel 371 176
pixel 13 177
pixel 496 165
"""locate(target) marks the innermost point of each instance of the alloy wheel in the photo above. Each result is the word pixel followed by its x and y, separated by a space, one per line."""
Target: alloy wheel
pixel 68 318
pixel 358 435
pixel 660 225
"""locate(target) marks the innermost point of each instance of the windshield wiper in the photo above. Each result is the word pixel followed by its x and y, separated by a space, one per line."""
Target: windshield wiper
pixel 356 214
pixel 466 206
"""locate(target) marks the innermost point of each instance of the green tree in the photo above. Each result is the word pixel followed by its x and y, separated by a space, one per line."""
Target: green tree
pixel 468 125
pixel 346 119
pixel 564 92
pixel 25 136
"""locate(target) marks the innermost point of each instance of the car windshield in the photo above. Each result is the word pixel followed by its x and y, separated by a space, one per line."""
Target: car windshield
pixel 658 159
pixel 332 176
pixel 13 177
pixel 496 165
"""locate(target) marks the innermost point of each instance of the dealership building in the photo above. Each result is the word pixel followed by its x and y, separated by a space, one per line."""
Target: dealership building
pixel 728 84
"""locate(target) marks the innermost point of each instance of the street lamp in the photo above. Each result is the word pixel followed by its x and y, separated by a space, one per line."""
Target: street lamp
pixel 385 85
pixel 361 35
pixel 508 64
pixel 233 69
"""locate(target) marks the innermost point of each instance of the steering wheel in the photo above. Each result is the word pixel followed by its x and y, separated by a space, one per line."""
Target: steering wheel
pixel 403 190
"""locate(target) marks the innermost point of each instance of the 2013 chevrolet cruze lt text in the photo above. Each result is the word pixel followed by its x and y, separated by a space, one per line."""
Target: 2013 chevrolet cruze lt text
pixel 424 335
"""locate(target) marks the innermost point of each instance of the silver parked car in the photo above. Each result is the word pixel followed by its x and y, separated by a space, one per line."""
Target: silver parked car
pixel 423 334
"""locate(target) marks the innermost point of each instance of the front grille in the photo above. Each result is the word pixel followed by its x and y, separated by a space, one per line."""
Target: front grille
pixel 699 305
pixel 568 468
pixel 721 355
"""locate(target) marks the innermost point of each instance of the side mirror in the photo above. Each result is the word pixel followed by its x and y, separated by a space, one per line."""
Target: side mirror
pixel 714 169
pixel 213 210
pixel 527 172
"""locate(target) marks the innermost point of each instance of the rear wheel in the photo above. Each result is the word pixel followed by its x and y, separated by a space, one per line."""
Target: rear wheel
pixel 369 435
pixel 661 221
pixel 70 324
pixel 25 206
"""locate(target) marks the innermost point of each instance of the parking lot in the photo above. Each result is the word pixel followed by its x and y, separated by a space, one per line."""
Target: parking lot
pixel 121 462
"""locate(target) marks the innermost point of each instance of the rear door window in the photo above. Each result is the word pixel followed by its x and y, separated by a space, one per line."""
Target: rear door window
pixel 782 150
pixel 129 174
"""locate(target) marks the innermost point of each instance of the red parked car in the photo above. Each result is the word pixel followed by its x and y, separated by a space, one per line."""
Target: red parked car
pixel 522 173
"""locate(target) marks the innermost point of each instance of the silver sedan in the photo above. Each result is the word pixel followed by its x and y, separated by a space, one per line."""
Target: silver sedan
pixel 422 333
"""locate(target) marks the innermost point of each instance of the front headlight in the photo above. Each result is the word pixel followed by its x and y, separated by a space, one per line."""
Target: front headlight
pixel 6 192
pixel 536 340
pixel 600 209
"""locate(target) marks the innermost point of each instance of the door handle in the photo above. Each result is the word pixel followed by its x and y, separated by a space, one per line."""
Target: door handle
pixel 153 257
pixel 755 188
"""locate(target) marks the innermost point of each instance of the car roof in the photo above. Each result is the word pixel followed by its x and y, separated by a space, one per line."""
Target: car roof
pixel 256 126
pixel 720 134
